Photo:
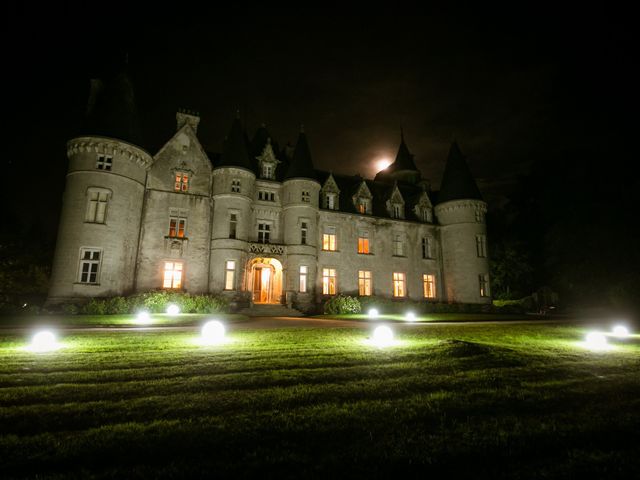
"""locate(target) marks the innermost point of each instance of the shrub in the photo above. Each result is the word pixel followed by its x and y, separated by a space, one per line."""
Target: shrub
pixel 342 304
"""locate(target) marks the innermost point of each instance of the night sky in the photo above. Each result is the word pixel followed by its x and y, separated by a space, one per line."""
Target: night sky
pixel 513 87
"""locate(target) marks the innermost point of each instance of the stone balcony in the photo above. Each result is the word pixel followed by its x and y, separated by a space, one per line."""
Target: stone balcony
pixel 267 248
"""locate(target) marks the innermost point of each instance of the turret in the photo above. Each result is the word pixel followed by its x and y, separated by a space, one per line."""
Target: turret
pixel 403 168
pixel 99 226
pixel 461 214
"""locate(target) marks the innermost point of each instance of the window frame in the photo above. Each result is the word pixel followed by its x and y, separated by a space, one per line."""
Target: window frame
pixel 90 262
pixel 229 275
pixel 329 239
pixel 399 283
pixel 364 243
pixel 172 278
pixel 264 232
pixel 93 211
pixel 182 179
pixel 179 221
pixel 104 162
pixel 303 273
pixel 365 283
pixel 429 286
pixel 329 281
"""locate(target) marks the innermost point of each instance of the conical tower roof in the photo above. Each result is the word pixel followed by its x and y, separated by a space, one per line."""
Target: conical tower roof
pixel 457 181
pixel 301 165
pixel 404 158
pixel 234 150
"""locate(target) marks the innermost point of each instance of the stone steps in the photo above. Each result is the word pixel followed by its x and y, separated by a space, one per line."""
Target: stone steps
pixel 271 311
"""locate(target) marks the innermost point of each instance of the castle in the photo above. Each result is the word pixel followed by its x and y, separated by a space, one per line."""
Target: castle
pixel 255 223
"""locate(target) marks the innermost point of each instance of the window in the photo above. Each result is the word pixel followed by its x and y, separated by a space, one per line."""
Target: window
pixel 364 283
pixel 306 197
pixel 264 232
pixel 399 282
pixel 362 208
pixel 266 196
pixel 229 275
pixel 427 247
pixel 483 278
pixel 363 205
pixel 429 286
pixel 481 245
pixel 182 182
pixel 329 281
pixel 304 230
pixel 235 186
pixel 425 214
pixel 97 205
pixel 90 265
pixel 479 216
pixel 172 275
pixel 267 170
pixel 233 225
pixel 396 211
pixel 398 245
pixel 304 270
pixel 331 201
pixel 329 239
pixel 177 226
pixel 363 242
pixel 104 162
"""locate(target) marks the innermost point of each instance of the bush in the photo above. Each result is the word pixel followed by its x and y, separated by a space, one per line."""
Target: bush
pixel 342 304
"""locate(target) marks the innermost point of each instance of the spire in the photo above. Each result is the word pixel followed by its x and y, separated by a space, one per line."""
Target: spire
pixel 234 150
pixel 404 158
pixel 301 163
pixel 457 181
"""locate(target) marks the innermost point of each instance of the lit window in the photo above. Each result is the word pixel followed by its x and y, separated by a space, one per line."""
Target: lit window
pixel 177 226
pixel 182 182
pixel 362 208
pixel 235 186
pixel 264 232
pixel 304 230
pixel 172 275
pixel 329 239
pixel 329 281
pixel 363 242
pixel 229 275
pixel 429 286
pixel 233 225
pixel 427 247
pixel 104 162
pixel 398 245
pixel 97 205
pixel 306 197
pixel 89 265
pixel 304 270
pixel 364 283
pixel 481 245
pixel 399 281
pixel 483 279
pixel 363 205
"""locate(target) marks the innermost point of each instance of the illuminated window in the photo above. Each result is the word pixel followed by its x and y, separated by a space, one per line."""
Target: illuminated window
pixel 483 279
pixel 429 286
pixel 399 282
pixel 89 265
pixel 172 275
pixel 182 182
pixel 363 242
pixel 104 162
pixel 427 247
pixel 97 205
pixel 329 281
pixel 306 197
pixel 264 232
pixel 398 245
pixel 304 230
pixel 362 208
pixel 363 205
pixel 233 225
pixel 481 245
pixel 364 282
pixel 177 226
pixel 235 185
pixel 304 270
pixel 329 239
pixel 229 275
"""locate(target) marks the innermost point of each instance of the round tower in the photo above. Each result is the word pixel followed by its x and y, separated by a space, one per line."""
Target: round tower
pixel 99 225
pixel 463 234
pixel 301 193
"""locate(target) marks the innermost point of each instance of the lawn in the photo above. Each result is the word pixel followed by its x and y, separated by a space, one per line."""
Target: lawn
pixel 480 400
pixel 158 319
pixel 436 317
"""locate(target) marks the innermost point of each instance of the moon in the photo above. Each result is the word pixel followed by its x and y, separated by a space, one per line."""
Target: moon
pixel 382 164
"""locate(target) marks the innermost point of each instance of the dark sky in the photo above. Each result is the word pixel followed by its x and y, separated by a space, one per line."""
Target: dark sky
pixel 511 86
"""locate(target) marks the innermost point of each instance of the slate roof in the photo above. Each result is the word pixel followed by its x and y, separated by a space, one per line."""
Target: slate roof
pixel 301 165
pixel 234 150
pixel 457 181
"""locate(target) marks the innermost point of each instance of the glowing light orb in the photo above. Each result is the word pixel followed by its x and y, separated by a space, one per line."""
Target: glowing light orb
pixel 373 313
pixel 382 336
pixel 621 331
pixel 173 309
pixel 212 332
pixel 44 341
pixel 596 341
pixel 382 164
pixel 143 318
pixel 410 317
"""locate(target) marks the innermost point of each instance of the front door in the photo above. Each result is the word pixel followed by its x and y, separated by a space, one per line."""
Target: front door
pixel 262 284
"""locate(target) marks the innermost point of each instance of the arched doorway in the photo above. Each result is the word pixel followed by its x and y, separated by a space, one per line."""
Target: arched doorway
pixel 265 280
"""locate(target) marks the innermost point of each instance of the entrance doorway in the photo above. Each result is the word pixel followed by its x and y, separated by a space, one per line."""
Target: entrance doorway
pixel 265 280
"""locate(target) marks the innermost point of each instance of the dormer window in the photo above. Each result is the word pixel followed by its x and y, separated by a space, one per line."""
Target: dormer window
pixel 396 210
pixel 331 201
pixel 182 182
pixel 425 214
pixel 268 162
pixel 267 170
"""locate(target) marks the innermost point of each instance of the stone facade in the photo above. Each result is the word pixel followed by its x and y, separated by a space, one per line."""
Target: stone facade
pixel 254 225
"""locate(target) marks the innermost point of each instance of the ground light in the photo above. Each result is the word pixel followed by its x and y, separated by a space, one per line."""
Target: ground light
pixel 143 318
pixel 621 331
pixel 44 341
pixel 596 341
pixel 373 313
pixel 382 336
pixel 410 317
pixel 212 333
pixel 173 309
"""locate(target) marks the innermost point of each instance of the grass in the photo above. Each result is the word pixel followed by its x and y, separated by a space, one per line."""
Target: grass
pixel 159 319
pixel 436 317
pixel 483 400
